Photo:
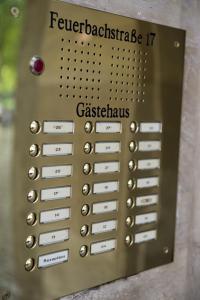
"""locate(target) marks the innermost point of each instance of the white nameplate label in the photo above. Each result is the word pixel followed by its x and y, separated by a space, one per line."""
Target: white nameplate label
pixel 146 200
pixel 105 187
pixel 104 246
pixel 147 182
pixel 53 259
pixel 58 127
pixel 108 127
pixel 53 237
pixel 54 215
pixel 106 167
pixel 145 236
pixel 145 218
pixel 147 164
pixel 57 149
pixel 149 146
pixel 107 147
pixel 56 193
pixel 150 127
pixel 56 171
pixel 104 207
pixel 104 226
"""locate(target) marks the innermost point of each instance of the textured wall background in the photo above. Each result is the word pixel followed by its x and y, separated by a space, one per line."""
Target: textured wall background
pixel 181 279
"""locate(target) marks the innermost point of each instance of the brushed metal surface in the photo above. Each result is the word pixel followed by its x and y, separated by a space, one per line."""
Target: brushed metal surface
pixel 88 69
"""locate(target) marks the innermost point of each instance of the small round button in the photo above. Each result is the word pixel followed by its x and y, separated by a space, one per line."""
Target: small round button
pixel 31 219
pixel 87 169
pixel 128 240
pixel 84 230
pixel 30 241
pixel 35 127
pixel 132 146
pixel 88 127
pixel 129 221
pixel 85 210
pixel 32 196
pixel 132 165
pixel 37 65
pixel 29 264
pixel 131 184
pixel 86 189
pixel 130 203
pixel 83 250
pixel 34 150
pixel 88 148
pixel 33 173
pixel 133 126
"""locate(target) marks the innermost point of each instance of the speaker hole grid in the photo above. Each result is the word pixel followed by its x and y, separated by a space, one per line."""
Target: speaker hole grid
pixel 80 69
pixel 83 70
pixel 124 62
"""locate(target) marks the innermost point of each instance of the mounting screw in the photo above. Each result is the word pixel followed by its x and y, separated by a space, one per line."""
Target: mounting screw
pixel 166 250
pixel 176 44
pixel 14 10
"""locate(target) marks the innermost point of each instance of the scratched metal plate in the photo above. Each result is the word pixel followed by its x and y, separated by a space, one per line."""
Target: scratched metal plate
pixel 136 67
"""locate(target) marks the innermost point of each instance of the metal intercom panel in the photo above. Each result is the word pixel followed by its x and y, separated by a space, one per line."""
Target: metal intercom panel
pixel 91 179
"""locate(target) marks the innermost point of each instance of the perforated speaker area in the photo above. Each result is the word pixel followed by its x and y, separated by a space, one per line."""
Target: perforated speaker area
pixel 83 67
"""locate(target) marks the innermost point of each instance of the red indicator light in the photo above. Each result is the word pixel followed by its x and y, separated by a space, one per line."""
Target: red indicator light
pixel 37 65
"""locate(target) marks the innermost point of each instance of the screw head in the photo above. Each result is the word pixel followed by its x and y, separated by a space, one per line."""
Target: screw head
pixel 31 219
pixel 133 126
pixel 166 250
pixel 84 230
pixel 130 203
pixel 87 169
pixel 29 264
pixel 129 221
pixel 177 44
pixel 15 12
pixel 128 240
pixel 83 251
pixel 85 209
pixel 35 127
pixel 131 165
pixel 86 189
pixel 34 150
pixel 32 196
pixel 37 65
pixel 30 241
pixel 132 146
pixel 88 127
pixel 87 148
pixel 131 184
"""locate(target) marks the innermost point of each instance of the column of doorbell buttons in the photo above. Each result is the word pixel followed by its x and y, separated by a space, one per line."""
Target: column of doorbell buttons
pixel 32 196
pixel 37 68
pixel 130 202
pixel 87 169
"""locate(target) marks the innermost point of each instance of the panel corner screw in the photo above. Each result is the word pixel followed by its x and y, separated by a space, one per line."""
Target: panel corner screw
pixel 15 12
pixel 165 250
pixel 176 44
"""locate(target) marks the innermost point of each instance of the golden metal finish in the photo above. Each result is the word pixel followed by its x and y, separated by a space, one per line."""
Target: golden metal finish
pixel 130 76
